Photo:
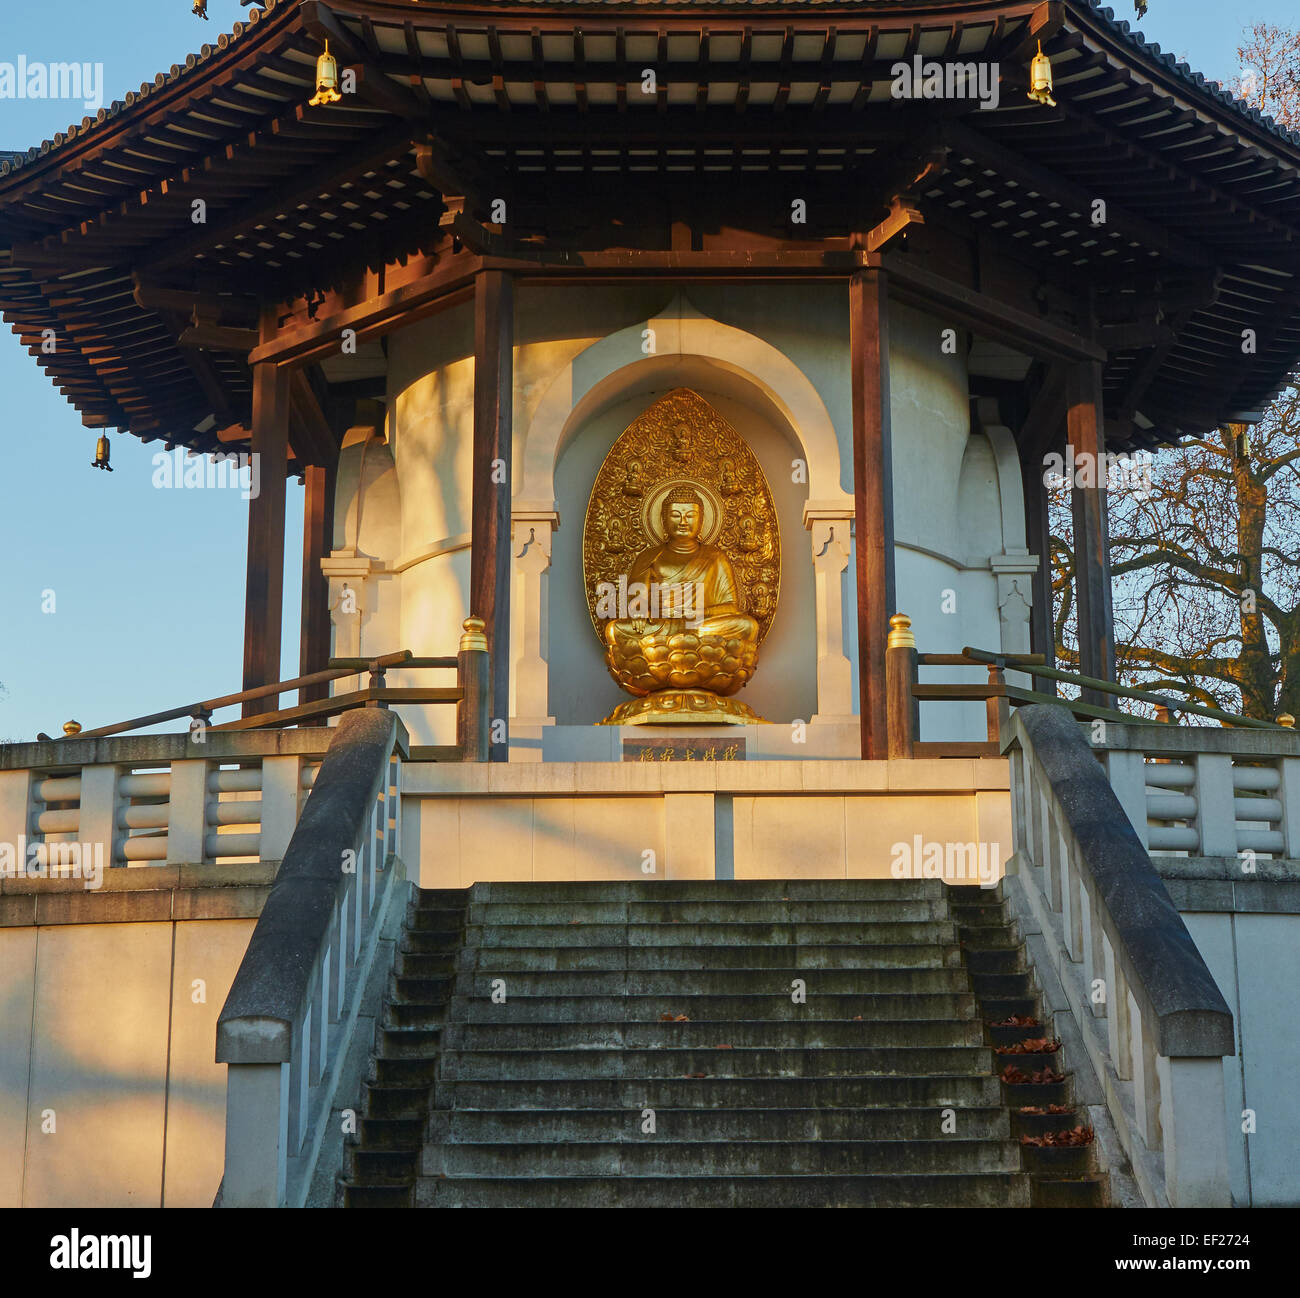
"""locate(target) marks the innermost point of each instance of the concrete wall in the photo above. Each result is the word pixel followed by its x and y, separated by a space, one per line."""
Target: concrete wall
pixel 1255 959
pixel 705 820
pixel 108 1010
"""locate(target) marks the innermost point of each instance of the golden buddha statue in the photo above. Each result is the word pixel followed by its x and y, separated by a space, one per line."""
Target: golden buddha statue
pixel 681 625
pixel 700 638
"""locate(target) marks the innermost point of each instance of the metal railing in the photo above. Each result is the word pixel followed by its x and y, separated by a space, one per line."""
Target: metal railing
pixel 905 692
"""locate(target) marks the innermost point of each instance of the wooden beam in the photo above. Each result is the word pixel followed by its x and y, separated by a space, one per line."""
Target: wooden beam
pixel 873 498
pixel 317 542
pixel 219 338
pixel 1085 430
pixel 264 595
pixel 489 582
pixel 313 437
pixel 449 282
pixel 984 314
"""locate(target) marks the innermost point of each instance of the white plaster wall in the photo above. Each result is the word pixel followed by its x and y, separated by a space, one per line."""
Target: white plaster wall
pixel 946 493
pixel 100 1025
pixel 947 515
pixel 1255 959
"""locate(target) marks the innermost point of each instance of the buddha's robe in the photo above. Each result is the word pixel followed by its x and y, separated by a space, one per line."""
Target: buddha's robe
pixel 707 570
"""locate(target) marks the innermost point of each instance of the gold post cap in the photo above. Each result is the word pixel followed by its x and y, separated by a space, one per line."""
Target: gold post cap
pixel 900 632
pixel 474 638
pixel 1287 720
pixel 71 728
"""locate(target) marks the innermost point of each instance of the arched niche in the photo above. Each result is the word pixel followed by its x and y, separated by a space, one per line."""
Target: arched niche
pixel 558 666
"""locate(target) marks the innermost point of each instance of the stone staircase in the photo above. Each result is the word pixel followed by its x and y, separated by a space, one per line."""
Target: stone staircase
pixel 750 1044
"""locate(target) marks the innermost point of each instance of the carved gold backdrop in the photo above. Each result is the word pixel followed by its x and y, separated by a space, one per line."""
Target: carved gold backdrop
pixel 682 440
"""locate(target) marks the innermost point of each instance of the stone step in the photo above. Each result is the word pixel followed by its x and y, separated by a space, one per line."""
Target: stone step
pixel 968 1190
pixel 713 890
pixel 793 958
pixel 409 1043
pixel 523 1007
pixel 441 898
pixel 551 980
pixel 757 910
pixel 547 1126
pixel 787 1033
pixel 400 1014
pixel 1004 960
pixel 430 991
pixel 919 1091
pixel 376 1196
pixel 391 1133
pixel 393 1102
pixel 380 1166
pixel 932 934
pixel 1059 1162
pixel 1001 986
pixel 995 1009
pixel 423 942
pixel 1073 1192
pixel 659 1156
pixel 404 1072
pixel 671 1062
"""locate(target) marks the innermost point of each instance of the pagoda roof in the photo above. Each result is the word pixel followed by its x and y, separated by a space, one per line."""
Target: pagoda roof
pixel 1204 191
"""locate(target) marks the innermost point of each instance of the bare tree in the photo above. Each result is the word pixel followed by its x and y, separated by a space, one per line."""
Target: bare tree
pixel 1206 556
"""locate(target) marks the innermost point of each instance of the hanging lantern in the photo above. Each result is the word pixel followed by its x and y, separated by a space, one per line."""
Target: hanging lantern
pixel 101 455
pixel 327 80
pixel 201 9
pixel 1040 79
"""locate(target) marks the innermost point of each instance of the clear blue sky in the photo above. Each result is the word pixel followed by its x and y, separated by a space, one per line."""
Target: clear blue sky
pixel 148 584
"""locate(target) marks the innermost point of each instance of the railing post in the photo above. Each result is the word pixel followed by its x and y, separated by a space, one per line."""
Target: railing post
pixel 1126 771
pixel 1195 1137
pixel 376 682
pixel 281 800
pixel 16 813
pixel 902 720
pixel 472 712
pixel 98 822
pixel 997 710
pixel 187 812
pixel 1216 808
pixel 257 1135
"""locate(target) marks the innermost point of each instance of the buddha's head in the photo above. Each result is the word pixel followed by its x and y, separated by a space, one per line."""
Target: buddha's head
pixel 683 515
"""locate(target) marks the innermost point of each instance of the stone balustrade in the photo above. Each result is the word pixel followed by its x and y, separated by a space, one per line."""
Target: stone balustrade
pixel 1150 1015
pixel 154 799
pixel 289 1024
pixel 1205 792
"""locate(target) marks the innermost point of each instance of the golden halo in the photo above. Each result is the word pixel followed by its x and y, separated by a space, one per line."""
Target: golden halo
pixel 652 510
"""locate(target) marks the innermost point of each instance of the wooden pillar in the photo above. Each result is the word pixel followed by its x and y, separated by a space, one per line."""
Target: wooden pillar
pixel 873 498
pixel 489 582
pixel 1038 531
pixel 1086 433
pixel 264 589
pixel 317 542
